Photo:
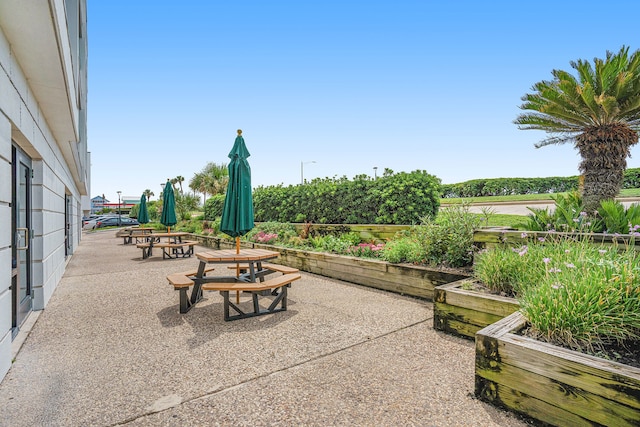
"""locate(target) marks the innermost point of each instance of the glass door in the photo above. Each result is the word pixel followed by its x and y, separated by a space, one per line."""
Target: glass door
pixel 68 231
pixel 21 228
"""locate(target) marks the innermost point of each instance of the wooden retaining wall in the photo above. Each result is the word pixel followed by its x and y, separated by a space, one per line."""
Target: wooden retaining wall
pixel 552 384
pixel 488 237
pixel 464 312
pixel 406 279
pixel 367 232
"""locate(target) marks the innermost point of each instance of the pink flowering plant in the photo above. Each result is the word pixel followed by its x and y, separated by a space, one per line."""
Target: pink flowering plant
pixel 271 233
pixel 366 250
pixel 262 237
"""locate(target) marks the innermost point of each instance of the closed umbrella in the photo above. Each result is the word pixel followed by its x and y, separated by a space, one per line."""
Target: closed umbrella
pixel 168 217
pixel 237 212
pixel 143 213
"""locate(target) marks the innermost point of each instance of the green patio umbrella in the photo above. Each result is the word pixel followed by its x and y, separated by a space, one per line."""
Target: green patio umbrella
pixel 168 217
pixel 143 213
pixel 237 212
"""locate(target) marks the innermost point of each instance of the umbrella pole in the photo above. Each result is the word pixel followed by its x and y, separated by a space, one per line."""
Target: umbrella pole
pixel 237 268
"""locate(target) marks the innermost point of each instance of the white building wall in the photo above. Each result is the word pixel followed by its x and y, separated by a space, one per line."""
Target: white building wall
pixel 5 242
pixel 23 122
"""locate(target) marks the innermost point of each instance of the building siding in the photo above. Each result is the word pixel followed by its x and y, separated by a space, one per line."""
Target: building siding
pixel 56 175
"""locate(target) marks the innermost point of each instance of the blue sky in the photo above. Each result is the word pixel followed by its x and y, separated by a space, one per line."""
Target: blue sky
pixel 349 84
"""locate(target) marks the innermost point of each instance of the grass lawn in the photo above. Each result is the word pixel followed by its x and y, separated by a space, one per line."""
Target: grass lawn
pixel 504 220
pixel 630 192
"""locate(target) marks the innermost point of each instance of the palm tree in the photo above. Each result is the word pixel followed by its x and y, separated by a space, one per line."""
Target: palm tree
pixel 217 178
pixel 180 179
pixel 598 111
pixel 212 179
pixel 148 193
pixel 197 184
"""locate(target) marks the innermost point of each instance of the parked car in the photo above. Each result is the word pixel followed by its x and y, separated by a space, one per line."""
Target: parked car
pixel 115 221
pixel 91 222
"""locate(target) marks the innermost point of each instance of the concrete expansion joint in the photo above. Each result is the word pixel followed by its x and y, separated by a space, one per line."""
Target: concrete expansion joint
pixel 171 401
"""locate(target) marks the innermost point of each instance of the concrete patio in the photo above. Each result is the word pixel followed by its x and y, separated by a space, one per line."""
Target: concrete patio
pixel 111 348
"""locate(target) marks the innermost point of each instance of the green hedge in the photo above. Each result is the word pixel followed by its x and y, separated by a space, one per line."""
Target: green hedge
pixel 395 198
pixel 402 198
pixel 509 186
pixel 213 207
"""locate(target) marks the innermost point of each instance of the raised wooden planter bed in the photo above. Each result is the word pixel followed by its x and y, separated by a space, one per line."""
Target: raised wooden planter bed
pixel 366 231
pixel 552 384
pixel 464 312
pixel 489 237
pixel 405 279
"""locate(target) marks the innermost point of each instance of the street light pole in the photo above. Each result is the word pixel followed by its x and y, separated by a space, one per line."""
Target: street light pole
pixel 119 212
pixel 302 170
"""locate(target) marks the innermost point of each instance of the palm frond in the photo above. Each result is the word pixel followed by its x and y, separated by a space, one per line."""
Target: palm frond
pixel 585 72
pixel 589 98
pixel 555 140
pixel 601 92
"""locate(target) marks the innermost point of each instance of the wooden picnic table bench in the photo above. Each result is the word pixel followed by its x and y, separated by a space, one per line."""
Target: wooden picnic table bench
pixel 276 286
pixel 174 247
pixel 182 249
pixel 181 282
pixel 252 280
pixel 140 234
pixel 275 268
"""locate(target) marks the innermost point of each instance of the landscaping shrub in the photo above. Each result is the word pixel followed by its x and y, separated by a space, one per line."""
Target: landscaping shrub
pixel 402 198
pixel 133 213
pixel 335 244
pixel 366 250
pixel 213 207
pixel 615 218
pixel 152 210
pixel 510 186
pixel 403 249
pixel 185 204
pixel 446 240
pixel 569 216
pixel 211 227
pixel 280 233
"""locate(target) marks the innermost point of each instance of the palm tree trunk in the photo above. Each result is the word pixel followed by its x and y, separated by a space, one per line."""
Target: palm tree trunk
pixel 604 150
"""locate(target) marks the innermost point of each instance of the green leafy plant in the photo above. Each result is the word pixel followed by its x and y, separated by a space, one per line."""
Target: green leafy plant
pixel 403 249
pixel 401 198
pixel 588 296
pixel 334 244
pixel 615 218
pixel 213 207
pixel 574 293
pixel 283 231
pixel 446 240
pixel 568 216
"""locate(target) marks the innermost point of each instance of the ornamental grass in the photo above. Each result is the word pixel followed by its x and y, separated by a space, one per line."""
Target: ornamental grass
pixel 574 293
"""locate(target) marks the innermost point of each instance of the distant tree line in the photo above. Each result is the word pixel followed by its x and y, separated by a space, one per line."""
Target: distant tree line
pixel 511 186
